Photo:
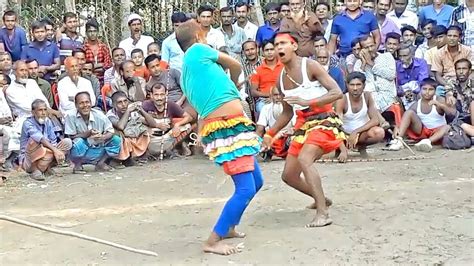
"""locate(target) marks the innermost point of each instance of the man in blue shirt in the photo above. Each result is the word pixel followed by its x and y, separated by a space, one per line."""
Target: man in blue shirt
pixel 271 26
pixel 351 23
pixel 438 11
pixel 12 37
pixel 39 147
pixel 171 53
pixel 411 72
pixel 43 51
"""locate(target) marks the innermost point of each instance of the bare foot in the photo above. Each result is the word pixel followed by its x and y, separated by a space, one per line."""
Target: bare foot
pixel 313 205
pixel 319 221
pixel 220 248
pixel 234 234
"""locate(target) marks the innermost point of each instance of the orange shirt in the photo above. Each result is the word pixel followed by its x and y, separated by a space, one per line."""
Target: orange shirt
pixel 142 72
pixel 266 77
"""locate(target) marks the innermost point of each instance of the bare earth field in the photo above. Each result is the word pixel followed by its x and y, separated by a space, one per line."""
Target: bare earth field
pixel 399 212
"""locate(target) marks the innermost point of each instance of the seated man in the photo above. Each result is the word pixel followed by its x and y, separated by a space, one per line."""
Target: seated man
pixel 72 84
pixel 131 122
pixel 461 94
pixel 39 147
pixel 92 134
pixel 322 56
pixel 359 117
pixel 9 129
pixel 133 87
pixel 410 72
pixel 425 120
pixel 267 119
pixel 392 44
pixel 168 115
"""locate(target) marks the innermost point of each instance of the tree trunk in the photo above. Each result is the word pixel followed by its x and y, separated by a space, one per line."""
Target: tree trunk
pixel 70 6
pixel 125 14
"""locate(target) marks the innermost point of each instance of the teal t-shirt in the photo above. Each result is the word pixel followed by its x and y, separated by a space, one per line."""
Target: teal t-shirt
pixel 204 82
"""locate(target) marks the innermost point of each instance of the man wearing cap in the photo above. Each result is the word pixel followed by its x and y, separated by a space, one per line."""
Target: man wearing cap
pixel 136 39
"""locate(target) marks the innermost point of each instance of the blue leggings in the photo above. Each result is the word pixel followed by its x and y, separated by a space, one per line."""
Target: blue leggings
pixel 246 186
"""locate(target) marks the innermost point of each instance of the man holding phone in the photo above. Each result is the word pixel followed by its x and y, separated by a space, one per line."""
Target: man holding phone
pixel 304 24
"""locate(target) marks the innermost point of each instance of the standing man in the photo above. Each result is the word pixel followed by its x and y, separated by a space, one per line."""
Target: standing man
pixel 439 11
pixel 305 24
pixel 12 37
pixel 67 37
pixel 214 37
pixel 242 12
pixel 43 51
pixel 97 52
pixel 402 16
pixel 350 24
pixel 171 53
pixel 311 92
pixel 136 39
pixel 92 135
pixel 250 60
pixel 50 33
pixel 271 26
pixel 386 25
pixel 222 114
pixel 463 16
pixel 39 147
pixel 234 36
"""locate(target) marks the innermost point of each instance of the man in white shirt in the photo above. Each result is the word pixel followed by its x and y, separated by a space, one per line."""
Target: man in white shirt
pixel 242 12
pixel 215 38
pixel 136 39
pixel 23 91
pixel 69 86
pixel 171 53
pixel 402 16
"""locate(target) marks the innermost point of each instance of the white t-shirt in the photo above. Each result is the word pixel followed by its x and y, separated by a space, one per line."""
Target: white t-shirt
pixel 142 44
pixel 269 114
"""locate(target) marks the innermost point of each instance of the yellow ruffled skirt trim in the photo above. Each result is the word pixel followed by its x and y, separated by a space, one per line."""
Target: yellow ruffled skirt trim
pixel 213 126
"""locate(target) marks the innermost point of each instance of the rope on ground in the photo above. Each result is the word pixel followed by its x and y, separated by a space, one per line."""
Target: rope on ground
pixel 359 160
pixel 74 234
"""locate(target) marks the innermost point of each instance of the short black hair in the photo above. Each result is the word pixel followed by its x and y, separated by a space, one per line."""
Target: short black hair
pixel 408 28
pixel 284 3
pixel 116 95
pixel 364 38
pixel 428 21
pixel 204 8
pixel 68 15
pixel 31 61
pixel 78 51
pixel 116 49
pixel 226 9
pixel 393 35
pixel 9 13
pixel 428 81
pixel 355 42
pixel 92 23
pixel 241 4
pixel 249 41
pixel 356 75
pixel 439 30
pixel 267 41
pixel 179 17
pixel 320 38
pixel 463 60
pixel 47 21
pixel 272 7
pixel 7 78
pixel 455 27
pixel 136 50
pixel 322 4
pixel 37 25
pixel 158 86
pixel 151 58
pixel 82 93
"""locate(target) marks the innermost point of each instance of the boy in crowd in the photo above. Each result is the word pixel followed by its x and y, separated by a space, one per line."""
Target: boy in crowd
pixel 140 69
pixel 425 120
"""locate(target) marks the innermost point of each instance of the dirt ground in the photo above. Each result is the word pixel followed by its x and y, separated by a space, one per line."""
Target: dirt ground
pixel 403 212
